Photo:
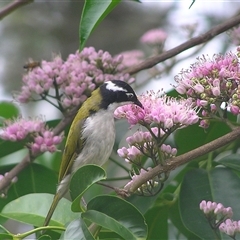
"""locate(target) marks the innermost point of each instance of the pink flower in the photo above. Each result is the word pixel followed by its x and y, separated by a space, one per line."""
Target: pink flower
pixel 39 138
pixel 72 80
pixel 154 37
pixel 198 88
pixel 20 128
pixel 130 154
pixel 123 152
pixel 144 143
pixel 165 111
pixel 230 227
pixel 204 123
pixel 214 81
pixel 235 109
pixel 217 209
pixel 168 151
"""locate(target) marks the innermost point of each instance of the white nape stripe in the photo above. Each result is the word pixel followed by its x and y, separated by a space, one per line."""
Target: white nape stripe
pixel 113 87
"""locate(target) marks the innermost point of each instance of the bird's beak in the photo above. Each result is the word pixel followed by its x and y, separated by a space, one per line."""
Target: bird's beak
pixel 138 103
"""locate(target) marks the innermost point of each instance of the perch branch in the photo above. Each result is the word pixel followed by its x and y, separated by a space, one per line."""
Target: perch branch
pixel 12 7
pixel 173 163
pixel 152 61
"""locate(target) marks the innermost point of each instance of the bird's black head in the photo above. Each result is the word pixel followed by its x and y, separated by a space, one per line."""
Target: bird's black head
pixel 116 93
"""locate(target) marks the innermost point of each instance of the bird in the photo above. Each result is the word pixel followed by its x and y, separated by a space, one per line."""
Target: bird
pixel 91 136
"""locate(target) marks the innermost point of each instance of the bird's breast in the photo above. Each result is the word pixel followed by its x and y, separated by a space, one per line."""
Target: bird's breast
pixel 99 134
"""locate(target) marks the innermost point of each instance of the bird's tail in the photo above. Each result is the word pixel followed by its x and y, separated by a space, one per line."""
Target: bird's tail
pixel 55 201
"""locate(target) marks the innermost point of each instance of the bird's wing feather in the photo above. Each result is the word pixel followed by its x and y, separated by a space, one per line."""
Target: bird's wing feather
pixel 73 147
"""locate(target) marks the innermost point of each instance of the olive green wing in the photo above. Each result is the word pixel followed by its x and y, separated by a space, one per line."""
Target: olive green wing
pixel 73 147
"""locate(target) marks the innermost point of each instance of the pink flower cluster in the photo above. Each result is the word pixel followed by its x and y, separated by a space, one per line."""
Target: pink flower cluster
pixel 143 143
pixel 166 112
pixel 70 82
pixel 39 80
pixel 154 37
pixel 131 154
pixel 161 116
pixel 34 131
pixel 212 82
pixel 230 227
pixel 220 217
pixel 209 207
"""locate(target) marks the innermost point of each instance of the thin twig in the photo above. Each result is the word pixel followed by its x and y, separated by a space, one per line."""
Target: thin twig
pixel 152 61
pixel 12 7
pixel 182 159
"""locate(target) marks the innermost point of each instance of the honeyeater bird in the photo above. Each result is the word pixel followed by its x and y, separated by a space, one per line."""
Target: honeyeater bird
pixel 92 133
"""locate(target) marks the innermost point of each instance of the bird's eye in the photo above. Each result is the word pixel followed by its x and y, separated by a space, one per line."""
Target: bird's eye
pixel 130 95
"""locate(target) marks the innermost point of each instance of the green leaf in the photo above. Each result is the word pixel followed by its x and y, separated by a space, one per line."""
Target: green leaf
pixel 50 160
pixel 231 161
pixel 53 123
pixel 49 235
pixel 82 180
pixel 32 179
pixel 194 189
pixel 44 237
pixel 32 209
pixel 77 230
pixel 142 203
pixel 175 218
pixel 8 147
pixel 173 93
pixel 5 236
pixel 193 136
pixel 8 110
pixel 93 13
pixel 121 211
pixel 219 185
pixel 105 221
pixel 157 221
pixel 225 188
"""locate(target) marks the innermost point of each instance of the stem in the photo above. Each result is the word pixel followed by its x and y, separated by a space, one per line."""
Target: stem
pixel 47 100
pixel 120 165
pixel 116 179
pixel 221 117
pixel 23 235
pixel 209 161
pixel 58 96
pixel 106 185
